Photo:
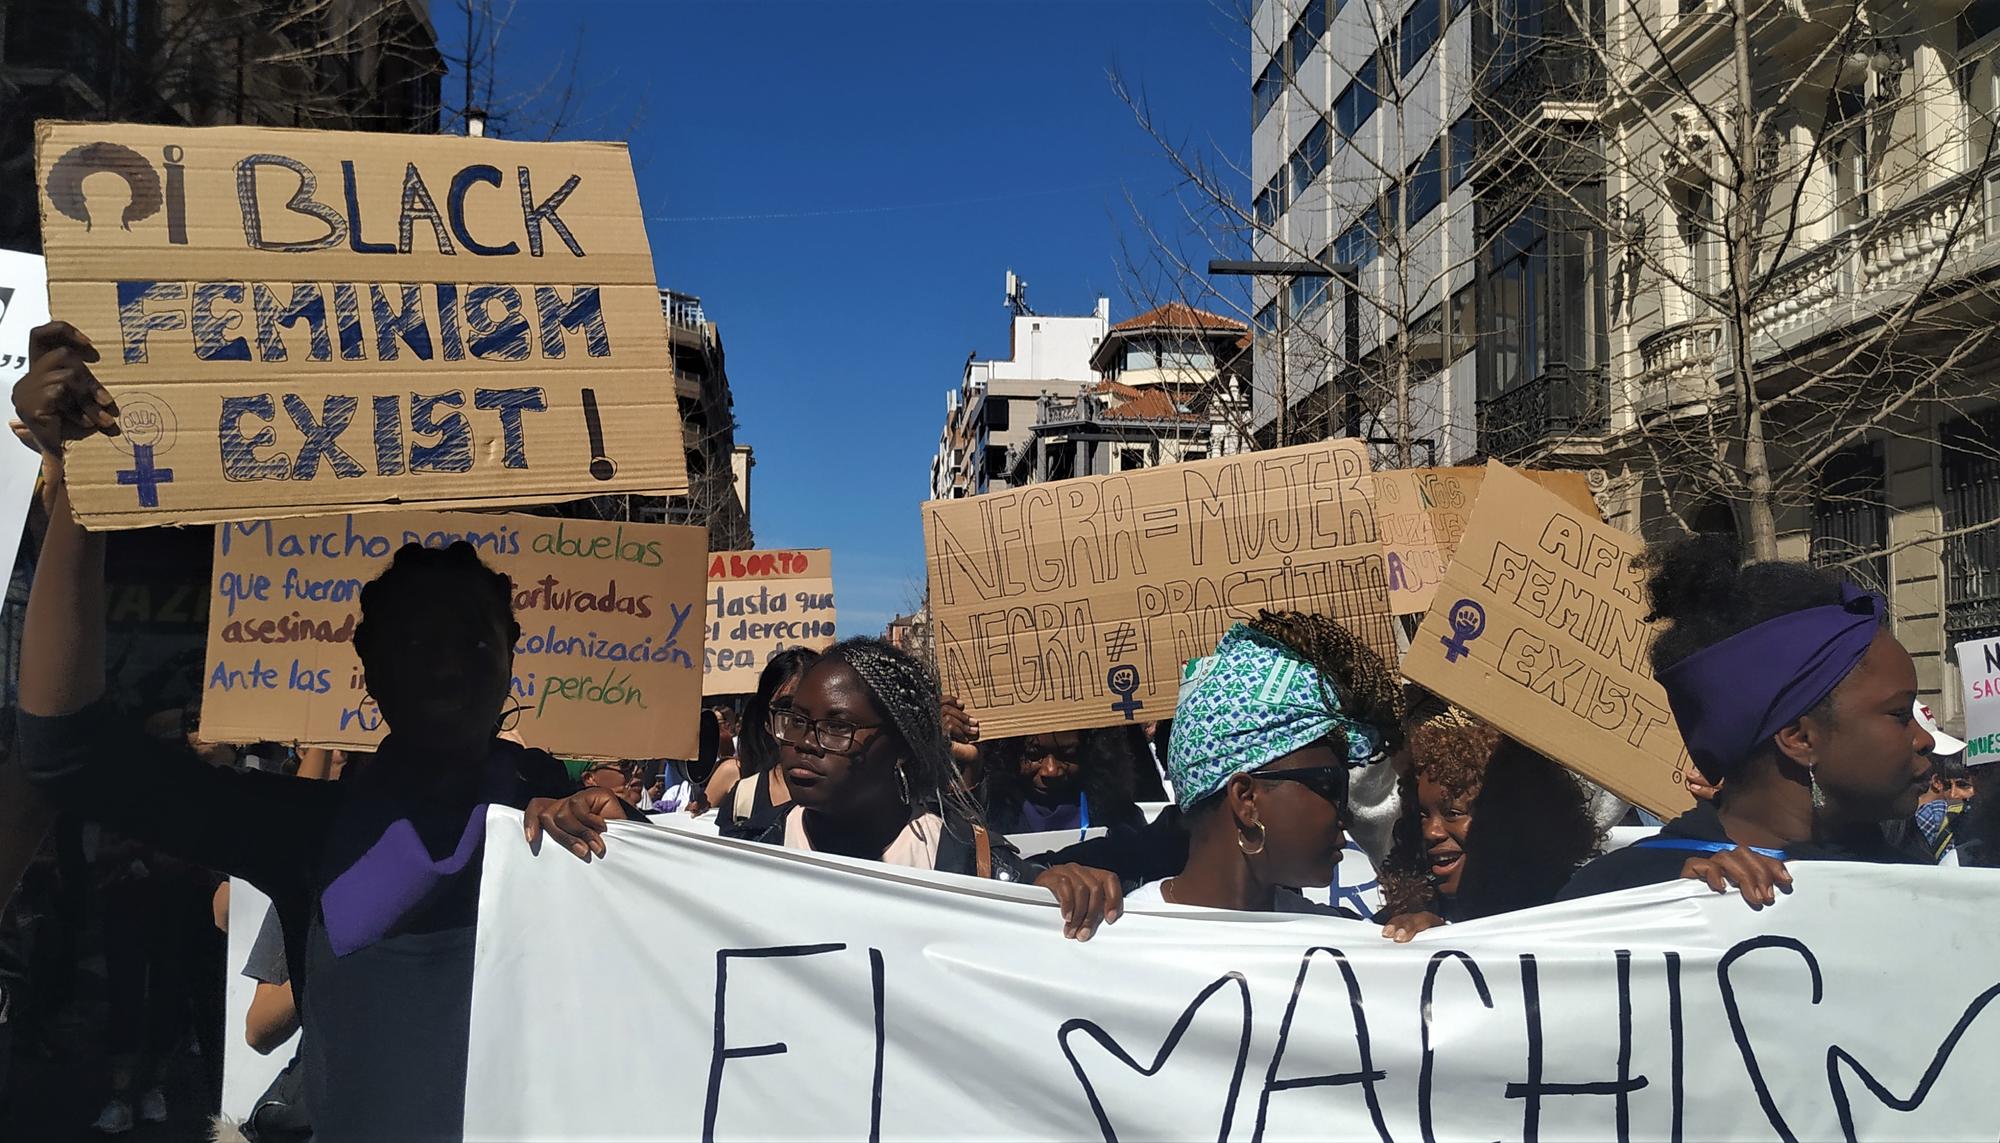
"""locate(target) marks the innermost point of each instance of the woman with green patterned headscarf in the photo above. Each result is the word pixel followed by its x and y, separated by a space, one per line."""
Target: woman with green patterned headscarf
pixel 1265 733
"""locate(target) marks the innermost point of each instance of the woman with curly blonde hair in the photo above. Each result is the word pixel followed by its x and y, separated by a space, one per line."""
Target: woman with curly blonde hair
pixel 1488 826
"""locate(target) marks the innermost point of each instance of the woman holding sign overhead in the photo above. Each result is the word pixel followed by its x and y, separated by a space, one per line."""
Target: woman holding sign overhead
pixel 376 878
pixel 1265 734
pixel 1793 696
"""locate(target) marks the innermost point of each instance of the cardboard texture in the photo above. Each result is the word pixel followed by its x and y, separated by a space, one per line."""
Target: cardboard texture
pixel 307 322
pixel 24 304
pixel 608 666
pixel 1539 628
pixel 1423 513
pixel 1076 603
pixel 761 603
pixel 1979 668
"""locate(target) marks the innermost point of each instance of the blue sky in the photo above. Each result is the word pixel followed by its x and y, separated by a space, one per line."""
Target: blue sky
pixel 845 184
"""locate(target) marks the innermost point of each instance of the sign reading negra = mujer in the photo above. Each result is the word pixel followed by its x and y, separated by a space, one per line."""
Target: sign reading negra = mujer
pixel 1076 603
pixel 1539 628
pixel 608 664
pixel 761 603
pixel 298 322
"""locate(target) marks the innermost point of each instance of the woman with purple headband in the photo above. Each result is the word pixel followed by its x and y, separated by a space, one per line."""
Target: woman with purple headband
pixel 1792 695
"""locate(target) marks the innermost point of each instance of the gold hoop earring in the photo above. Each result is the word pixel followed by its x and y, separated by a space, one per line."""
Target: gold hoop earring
pixel 1245 847
pixel 511 717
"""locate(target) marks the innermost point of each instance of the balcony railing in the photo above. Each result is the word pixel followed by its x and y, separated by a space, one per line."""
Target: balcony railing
pixel 1560 403
pixel 684 310
pixel 1677 366
pixel 1874 265
pixel 1552 71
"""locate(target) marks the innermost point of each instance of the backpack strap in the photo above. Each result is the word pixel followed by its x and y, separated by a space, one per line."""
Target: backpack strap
pixel 982 853
pixel 743 797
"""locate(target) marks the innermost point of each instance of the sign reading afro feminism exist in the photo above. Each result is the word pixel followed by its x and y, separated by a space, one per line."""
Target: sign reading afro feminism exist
pixel 1076 603
pixel 608 664
pixel 303 322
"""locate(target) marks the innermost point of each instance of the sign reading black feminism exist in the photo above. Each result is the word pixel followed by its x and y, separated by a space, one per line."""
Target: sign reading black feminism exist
pixel 304 322
pixel 1076 603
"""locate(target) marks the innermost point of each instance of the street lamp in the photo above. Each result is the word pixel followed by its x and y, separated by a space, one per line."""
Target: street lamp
pixel 1286 272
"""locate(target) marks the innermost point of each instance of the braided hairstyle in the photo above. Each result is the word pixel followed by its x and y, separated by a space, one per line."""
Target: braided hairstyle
pixel 1369 691
pixel 907 694
pixel 430 571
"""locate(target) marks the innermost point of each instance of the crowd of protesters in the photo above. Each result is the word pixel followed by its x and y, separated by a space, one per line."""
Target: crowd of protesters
pixel 1798 706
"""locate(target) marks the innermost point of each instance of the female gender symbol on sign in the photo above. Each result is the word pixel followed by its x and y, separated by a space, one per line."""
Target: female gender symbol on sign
pixel 148 429
pixel 1468 621
pixel 1123 680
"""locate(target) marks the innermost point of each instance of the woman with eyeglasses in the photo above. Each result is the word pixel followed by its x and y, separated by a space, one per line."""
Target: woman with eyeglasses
pixel 1265 733
pixel 1061 780
pixel 864 754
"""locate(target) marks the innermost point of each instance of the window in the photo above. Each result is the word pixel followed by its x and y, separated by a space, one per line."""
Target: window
pixel 996 461
pixel 1309 159
pixel 1851 516
pixel 1464 322
pixel 1971 498
pixel 1462 141
pixel 1356 102
pixel 1265 91
pixel 1307 293
pixel 1425 185
pixel 1357 244
pixel 1458 6
pixel 996 414
pixel 1979 20
pixel 1266 318
pixel 1307 32
pixel 1847 158
pixel 1419 32
pixel 1517 30
pixel 1694 209
pixel 1520 274
pixel 1131 458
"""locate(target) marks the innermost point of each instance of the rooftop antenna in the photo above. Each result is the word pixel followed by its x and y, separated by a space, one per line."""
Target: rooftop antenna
pixel 1017 296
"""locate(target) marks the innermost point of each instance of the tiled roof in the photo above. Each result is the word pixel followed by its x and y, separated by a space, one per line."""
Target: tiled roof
pixel 1179 315
pixel 1145 405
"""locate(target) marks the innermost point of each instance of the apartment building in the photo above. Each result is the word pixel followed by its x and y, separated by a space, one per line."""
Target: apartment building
pixel 718 468
pixel 993 408
pixel 1173 386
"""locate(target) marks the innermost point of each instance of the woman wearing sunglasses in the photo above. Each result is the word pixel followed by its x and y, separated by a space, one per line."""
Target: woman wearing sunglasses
pixel 1264 736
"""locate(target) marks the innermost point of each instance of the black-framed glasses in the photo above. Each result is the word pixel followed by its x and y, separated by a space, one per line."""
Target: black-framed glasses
pixel 833 735
pixel 1329 782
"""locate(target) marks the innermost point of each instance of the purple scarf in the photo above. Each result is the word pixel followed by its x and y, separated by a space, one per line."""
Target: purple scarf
pixel 1730 698
pixel 385 869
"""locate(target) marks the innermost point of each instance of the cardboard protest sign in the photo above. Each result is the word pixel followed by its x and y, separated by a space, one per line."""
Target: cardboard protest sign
pixel 306 322
pixel 1979 667
pixel 1076 603
pixel 1539 628
pixel 761 603
pixel 608 665
pixel 24 304
pixel 1423 512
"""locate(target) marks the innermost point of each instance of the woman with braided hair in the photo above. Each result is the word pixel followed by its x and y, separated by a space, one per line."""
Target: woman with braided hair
pixel 1265 734
pixel 863 749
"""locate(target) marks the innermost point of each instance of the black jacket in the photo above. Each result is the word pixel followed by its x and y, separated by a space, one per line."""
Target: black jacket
pixel 388 1023
pixel 1637 865
pixel 957 851
pixel 1153 851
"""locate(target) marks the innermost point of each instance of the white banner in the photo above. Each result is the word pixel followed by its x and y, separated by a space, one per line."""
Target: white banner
pixel 759 993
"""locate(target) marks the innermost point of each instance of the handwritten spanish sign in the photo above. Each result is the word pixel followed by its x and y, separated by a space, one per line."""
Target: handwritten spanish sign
pixel 1423 513
pixel 761 603
pixel 304 322
pixel 1076 603
pixel 608 665
pixel 1979 668
pixel 1539 628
